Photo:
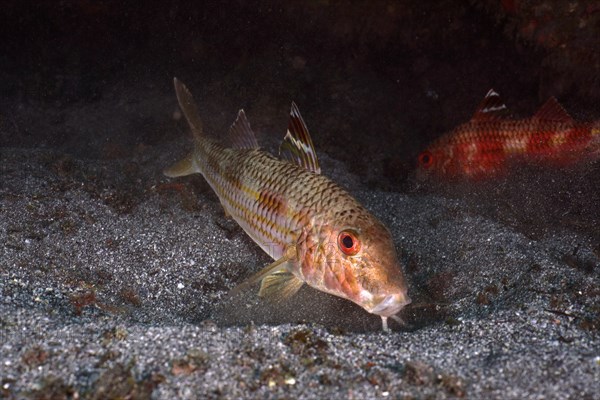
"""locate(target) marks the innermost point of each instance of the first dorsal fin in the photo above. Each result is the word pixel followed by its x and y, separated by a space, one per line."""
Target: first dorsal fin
pixel 553 111
pixel 492 107
pixel 241 134
pixel 297 146
pixel 188 107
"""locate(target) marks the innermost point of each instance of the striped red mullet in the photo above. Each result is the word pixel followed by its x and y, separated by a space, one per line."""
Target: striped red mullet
pixel 486 146
pixel 317 233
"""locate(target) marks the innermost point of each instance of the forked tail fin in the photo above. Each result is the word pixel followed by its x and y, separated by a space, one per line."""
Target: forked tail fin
pixel 189 108
pixel 186 166
pixel 182 168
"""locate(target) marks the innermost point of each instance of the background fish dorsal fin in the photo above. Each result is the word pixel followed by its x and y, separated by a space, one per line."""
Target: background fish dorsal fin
pixel 492 107
pixel 188 107
pixel 553 111
pixel 297 146
pixel 241 134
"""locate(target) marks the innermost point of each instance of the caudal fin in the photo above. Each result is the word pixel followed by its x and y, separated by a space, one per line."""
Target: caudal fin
pixel 189 108
pixel 182 168
pixel 186 166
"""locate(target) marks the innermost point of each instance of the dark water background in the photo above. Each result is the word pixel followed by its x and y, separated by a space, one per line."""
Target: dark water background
pixel 376 81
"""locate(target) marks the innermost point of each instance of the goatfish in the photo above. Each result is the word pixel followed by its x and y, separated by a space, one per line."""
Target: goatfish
pixel 487 145
pixel 316 232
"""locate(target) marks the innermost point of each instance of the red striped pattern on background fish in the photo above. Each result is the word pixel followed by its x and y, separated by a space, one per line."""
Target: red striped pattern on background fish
pixel 487 145
pixel 316 231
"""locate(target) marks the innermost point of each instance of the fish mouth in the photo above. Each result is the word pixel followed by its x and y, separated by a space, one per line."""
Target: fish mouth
pixel 391 304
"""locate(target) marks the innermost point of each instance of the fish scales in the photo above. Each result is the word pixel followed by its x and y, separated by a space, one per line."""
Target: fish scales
pixel 248 181
pixel 484 146
pixel 240 179
pixel 315 230
pixel 516 137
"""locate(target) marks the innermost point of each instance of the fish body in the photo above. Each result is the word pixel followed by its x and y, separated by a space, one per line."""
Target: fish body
pixel 486 146
pixel 315 230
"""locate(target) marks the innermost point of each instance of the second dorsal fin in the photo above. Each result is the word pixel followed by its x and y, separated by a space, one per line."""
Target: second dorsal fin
pixel 297 146
pixel 241 134
pixel 553 111
pixel 492 107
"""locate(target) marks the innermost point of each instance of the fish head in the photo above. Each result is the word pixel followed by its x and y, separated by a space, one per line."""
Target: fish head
pixel 356 259
pixel 453 156
pixel 383 290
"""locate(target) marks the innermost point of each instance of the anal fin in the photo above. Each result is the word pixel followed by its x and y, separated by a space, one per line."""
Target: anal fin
pixel 225 212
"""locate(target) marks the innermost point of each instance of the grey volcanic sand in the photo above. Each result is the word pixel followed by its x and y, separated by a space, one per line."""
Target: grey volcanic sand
pixel 114 281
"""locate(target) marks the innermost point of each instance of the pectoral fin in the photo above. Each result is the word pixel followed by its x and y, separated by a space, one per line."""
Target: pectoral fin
pixel 277 266
pixel 280 285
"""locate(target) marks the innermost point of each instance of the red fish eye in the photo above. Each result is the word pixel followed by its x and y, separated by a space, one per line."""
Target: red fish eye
pixel 348 243
pixel 426 159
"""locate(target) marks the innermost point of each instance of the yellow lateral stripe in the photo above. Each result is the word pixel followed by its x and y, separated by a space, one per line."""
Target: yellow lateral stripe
pixel 234 203
pixel 236 196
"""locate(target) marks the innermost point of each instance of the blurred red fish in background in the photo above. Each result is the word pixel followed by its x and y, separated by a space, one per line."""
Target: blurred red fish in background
pixel 489 144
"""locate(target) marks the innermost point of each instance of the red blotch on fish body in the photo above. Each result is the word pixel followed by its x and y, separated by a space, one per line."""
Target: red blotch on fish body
pixel 486 146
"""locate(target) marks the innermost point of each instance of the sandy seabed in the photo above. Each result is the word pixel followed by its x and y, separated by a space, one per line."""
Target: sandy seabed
pixel 113 284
